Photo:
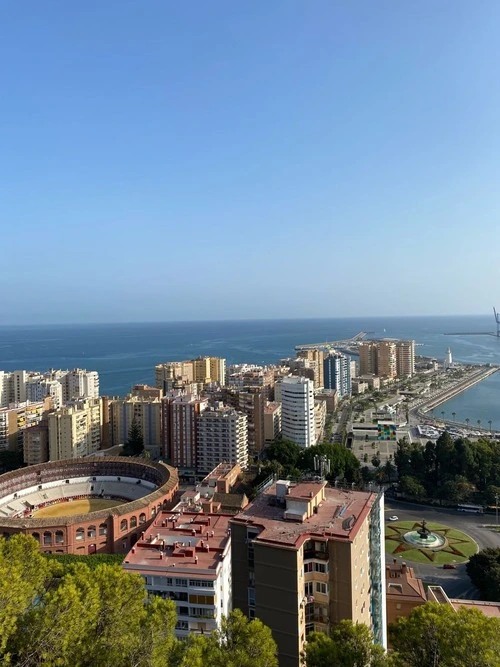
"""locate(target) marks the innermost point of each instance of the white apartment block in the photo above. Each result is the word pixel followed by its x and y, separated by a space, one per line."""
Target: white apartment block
pixel 297 411
pixel 75 430
pixel 80 383
pixel 222 438
pixel 21 386
pixel 39 388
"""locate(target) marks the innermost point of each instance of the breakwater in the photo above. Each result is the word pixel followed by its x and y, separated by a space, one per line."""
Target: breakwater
pixel 425 405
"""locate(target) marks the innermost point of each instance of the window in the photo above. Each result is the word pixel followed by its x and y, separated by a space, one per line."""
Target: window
pixel 47 538
pixel 142 518
pixel 123 524
pixel 103 529
pixel 133 521
pixel 251 613
pixel 308 589
pixel 183 611
pixel 308 567
pixel 91 531
pixel 80 533
pixel 59 537
pixel 182 583
pixel 200 583
pixel 321 588
pixel 201 599
pixel 251 597
pixel 36 536
pixel 182 625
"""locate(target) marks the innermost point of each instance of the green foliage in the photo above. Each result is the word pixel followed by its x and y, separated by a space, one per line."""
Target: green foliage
pixel 484 570
pixel 285 452
pixel 343 463
pixel 67 560
pixel 63 613
pixel 10 461
pixel 436 635
pixel 135 441
pixel 455 471
pixel 348 645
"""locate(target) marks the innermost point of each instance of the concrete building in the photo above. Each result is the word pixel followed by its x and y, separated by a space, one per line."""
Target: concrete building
pixel 272 422
pixel 75 429
pixel 404 591
pixel 307 556
pixel 187 558
pixel 222 437
pixel 17 418
pixel 297 411
pixel 147 392
pixel 17 386
pixel 146 412
pixel 179 374
pixel 316 362
pixel 39 388
pixel 80 383
pixel 180 429
pixel 405 358
pixel 36 444
pixel 337 373
pixel 243 375
pixel 319 419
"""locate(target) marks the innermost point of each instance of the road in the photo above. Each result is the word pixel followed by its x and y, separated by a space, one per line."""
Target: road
pixel 456 583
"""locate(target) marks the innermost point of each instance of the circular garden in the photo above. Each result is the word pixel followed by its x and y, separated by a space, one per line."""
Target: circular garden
pixel 457 547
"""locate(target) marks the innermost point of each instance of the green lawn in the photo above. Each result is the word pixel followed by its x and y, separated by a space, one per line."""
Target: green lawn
pixel 460 547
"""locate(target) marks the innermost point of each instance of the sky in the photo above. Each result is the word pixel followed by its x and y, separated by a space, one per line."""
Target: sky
pixel 165 160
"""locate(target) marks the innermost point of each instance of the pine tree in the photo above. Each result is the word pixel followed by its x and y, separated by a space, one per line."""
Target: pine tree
pixel 135 442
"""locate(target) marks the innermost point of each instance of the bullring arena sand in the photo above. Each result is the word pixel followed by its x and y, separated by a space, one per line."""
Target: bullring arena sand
pixel 76 507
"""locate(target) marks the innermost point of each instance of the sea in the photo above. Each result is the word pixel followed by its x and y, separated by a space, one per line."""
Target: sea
pixel 126 354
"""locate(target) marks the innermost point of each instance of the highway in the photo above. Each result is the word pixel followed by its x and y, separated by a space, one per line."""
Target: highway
pixel 456 583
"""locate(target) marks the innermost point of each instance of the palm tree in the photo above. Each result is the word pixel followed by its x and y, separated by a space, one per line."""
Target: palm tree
pixel 490 422
pixel 479 422
pixel 453 414
pixel 467 420
pixel 442 414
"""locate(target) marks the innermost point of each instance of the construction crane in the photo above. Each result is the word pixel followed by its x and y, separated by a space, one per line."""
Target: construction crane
pixel 497 320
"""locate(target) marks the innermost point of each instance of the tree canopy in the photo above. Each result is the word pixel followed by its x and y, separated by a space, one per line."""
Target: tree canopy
pixel 456 471
pixel 348 645
pixel 69 615
pixel 484 570
pixel 135 441
pixel 435 635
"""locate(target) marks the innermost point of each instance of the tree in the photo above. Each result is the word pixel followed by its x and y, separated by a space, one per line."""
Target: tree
pixel 484 570
pixel 411 487
pixel 239 643
pixel 135 442
pixel 343 463
pixel 284 452
pixel 349 645
pixel 435 635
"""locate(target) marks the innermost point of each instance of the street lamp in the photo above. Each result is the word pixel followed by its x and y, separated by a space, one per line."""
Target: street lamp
pixel 496 507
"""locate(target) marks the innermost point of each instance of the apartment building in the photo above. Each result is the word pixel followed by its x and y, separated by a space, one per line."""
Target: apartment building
pixel 272 422
pixel 75 429
pixel 146 412
pixel 297 410
pixel 36 444
pixel 250 401
pixel 187 558
pixel 306 556
pixel 319 419
pixel 15 420
pixel 387 358
pixel 180 429
pixel 147 392
pixel 315 360
pixel 39 388
pixel 222 437
pixel 201 371
pixel 337 373
pixel 244 375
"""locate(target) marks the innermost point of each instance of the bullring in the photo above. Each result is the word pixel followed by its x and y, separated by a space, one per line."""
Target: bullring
pixel 41 500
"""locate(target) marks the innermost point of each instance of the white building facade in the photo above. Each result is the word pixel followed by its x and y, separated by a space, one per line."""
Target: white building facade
pixel 297 411
pixel 222 437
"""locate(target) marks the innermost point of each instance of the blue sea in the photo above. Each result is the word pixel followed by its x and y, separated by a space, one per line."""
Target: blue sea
pixel 126 354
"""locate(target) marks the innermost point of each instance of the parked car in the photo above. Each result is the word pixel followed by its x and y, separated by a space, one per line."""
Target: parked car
pixel 393 518
pixel 449 566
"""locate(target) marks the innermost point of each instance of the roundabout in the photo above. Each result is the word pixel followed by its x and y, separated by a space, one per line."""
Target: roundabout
pixel 431 543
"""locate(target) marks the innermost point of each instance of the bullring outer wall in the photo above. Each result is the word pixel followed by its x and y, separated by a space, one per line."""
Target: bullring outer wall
pixel 112 530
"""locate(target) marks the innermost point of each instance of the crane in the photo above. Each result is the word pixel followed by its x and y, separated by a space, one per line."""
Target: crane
pixel 497 320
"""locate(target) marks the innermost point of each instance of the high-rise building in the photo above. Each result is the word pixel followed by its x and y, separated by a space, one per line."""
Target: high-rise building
pixel 178 374
pixel 368 358
pixel 222 437
pixel 297 411
pixel 315 358
pixel 180 429
pixel 39 388
pixel 272 422
pixel 36 444
pixel 145 412
pixel 405 358
pixel 337 373
pixel 80 383
pixel 305 557
pixel 15 419
pixel 380 358
pixel 75 429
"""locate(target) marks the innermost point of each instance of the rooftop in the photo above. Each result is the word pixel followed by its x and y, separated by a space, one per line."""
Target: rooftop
pixel 182 543
pixel 401 582
pixel 488 608
pixel 338 514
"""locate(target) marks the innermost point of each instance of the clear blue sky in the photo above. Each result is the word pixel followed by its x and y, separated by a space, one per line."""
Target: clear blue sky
pixel 166 160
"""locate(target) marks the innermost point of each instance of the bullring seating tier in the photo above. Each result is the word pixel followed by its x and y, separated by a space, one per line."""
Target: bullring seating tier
pixel 126 489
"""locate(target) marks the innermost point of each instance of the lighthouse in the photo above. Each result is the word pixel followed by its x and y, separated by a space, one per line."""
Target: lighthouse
pixel 448 361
